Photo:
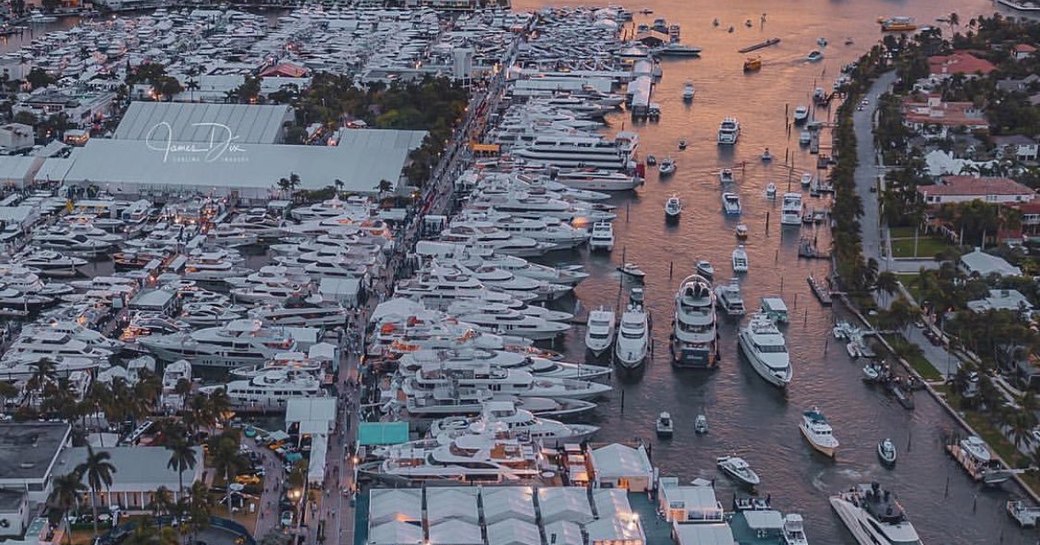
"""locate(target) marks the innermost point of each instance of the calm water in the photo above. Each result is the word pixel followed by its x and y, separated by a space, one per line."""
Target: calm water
pixel 746 415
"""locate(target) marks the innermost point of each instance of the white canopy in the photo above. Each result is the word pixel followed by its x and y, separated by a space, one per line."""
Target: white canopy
pixel 395 533
pixel 566 503
pixel 565 532
pixel 455 532
pixel 444 504
pixel 617 461
pixel 625 529
pixel 513 532
pixel 611 502
pixel 395 504
pixel 508 502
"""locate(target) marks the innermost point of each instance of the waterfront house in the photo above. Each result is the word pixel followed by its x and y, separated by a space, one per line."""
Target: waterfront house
pixel 1022 51
pixel 981 264
pixel 933 118
pixel 1012 300
pixel 994 190
pixel 1030 218
pixel 958 62
pixel 28 457
pixel 140 472
pixel 1016 147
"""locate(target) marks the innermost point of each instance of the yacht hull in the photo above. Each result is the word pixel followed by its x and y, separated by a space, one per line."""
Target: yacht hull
pixel 826 450
pixel 760 366
pixel 858 525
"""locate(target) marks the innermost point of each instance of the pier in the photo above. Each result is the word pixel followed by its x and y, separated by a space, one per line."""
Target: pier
pixel 760 45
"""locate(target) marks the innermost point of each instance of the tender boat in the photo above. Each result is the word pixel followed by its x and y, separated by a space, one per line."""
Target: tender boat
pixel 737 468
pixel 801 114
pixel 633 270
pixel 821 41
pixel 667 166
pixel 602 236
pixel 886 451
pixel 599 333
pixel 767 156
pixel 673 207
pixel 874 517
pixel 705 269
pixel 741 231
pixel 729 131
pixel 753 64
pixel 700 424
pixel 794 530
pixel 766 350
pixel 976 448
pixel 726 176
pixel 806 179
pixel 731 203
pixel 688 91
pixel 682 144
pixel 818 432
pixel 770 190
pixel 740 260
pixel 633 340
pixel 814 56
pixel 651 160
pixel 665 425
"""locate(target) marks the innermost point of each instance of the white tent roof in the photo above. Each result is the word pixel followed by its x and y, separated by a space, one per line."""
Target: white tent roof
pixel 396 307
pixel 391 504
pixel 616 529
pixel 508 502
pixel 566 532
pixel 611 502
pixel 321 410
pixel 703 534
pixel 565 503
pixel 455 532
pixel 617 460
pixel 197 122
pixel 513 532
pixel 395 533
pixel 444 504
pixel 316 467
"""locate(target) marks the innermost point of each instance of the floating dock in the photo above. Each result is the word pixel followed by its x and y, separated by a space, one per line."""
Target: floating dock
pixel 990 475
pixel 820 291
pixel 760 45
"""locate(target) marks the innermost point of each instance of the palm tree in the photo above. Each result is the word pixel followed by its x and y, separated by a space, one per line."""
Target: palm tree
pixel 98 471
pixel 219 405
pixel 887 282
pixel 339 186
pixel 64 496
pixel 162 503
pixel 43 374
pixel 226 458
pixel 182 457
pixel 145 533
pixel 199 507
pixel 7 391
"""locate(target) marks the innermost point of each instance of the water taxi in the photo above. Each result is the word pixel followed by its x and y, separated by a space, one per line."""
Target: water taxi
pixel 897 24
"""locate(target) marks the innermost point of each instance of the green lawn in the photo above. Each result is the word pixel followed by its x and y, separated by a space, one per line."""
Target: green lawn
pixel 901 232
pixel 912 285
pixel 917 361
pixel 927 247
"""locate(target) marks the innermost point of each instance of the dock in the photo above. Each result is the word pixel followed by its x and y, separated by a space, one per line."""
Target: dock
pixel 807 249
pixel 822 293
pixel 760 45
pixel 989 475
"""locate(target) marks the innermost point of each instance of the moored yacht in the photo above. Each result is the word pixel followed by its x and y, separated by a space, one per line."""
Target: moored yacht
pixel 521 424
pixel 729 131
pixel 52 263
pixel 739 260
pixel 766 350
pixel 731 204
pixel 633 338
pixel 271 389
pixel 874 517
pixel 598 180
pixel 694 336
pixel 729 298
pixel 599 333
pixel 791 209
pixel 736 467
pixel 801 114
pixel 602 236
pixel 818 432
pixel 297 311
pixel 234 344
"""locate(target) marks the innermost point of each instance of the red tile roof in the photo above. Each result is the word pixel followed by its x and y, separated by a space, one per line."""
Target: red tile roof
pixel 970 186
pixel 285 70
pixel 951 114
pixel 1024 48
pixel 959 63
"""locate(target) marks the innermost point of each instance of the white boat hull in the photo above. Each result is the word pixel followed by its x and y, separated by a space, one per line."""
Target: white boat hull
pixel 760 366
pixel 826 450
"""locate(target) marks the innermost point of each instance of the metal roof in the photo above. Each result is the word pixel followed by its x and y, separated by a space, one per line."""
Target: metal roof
pixel 202 122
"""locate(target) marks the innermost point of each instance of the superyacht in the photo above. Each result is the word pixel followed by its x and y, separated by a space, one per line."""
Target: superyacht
pixel 234 344
pixel 694 337
pixel 521 424
pixel 874 517
pixel 765 347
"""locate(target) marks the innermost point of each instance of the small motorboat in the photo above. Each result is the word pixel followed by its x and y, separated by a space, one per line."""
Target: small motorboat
pixel 700 424
pixel 646 11
pixel 673 207
pixel 726 176
pixel 705 269
pixel 730 30
pixel 821 41
pixel 715 22
pixel 748 23
pixel 741 231
pixel 886 451
pixel 806 179
pixel 688 91
pixel 771 190
pixel 737 468
pixel 872 372
pixel 665 425
pixel 631 269
pixel 805 138
pixel 740 260
pixel 814 56
pixel 766 156
pixel 849 41
pixel 682 144
pixel 753 64
pixel 651 160
pixel 667 166
pixel 731 203
pixel 801 114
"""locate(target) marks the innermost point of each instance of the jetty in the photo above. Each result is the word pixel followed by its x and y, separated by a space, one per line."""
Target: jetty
pixel 823 293
pixel 760 45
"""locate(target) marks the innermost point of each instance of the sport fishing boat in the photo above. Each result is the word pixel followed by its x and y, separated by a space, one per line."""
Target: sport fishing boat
pixel 705 269
pixel 739 260
pixel 818 432
pixel 599 334
pixel 694 335
pixel 667 166
pixel 729 298
pixel 739 469
pixel 801 114
pixel 874 517
pixel 766 350
pixel 731 204
pixel 729 131
pixel 886 451
pixel 665 425
pixel 673 207
pixel 791 209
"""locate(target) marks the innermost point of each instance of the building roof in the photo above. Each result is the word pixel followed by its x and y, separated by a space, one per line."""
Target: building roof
pixel 455 532
pixel 509 502
pixel 362 159
pixel 703 534
pixel 1014 139
pixel 396 504
pixel 17 168
pixel 11 500
pixel 564 503
pixel 201 122
pixel 983 264
pixel 284 69
pixel 29 449
pixel 513 532
pixel 611 502
pixel 320 410
pixel 1001 300
pixel 456 503
pixel 615 530
pixel 16 214
pixel 382 433
pixel 959 62
pixel 693 499
pixel 564 532
pixel 138 469
pixel 972 186
pixel 948 114
pixel 395 532
pixel 1023 48
pixel 617 460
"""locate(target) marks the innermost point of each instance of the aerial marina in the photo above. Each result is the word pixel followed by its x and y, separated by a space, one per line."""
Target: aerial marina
pixel 465 275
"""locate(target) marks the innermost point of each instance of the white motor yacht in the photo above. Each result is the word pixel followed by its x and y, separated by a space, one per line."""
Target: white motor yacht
pixel 633 338
pixel 271 389
pixel 814 56
pixel 548 230
pixel 505 321
pixel 213 266
pixel 486 235
pixel 234 344
pixel 599 333
pixel 297 311
pixel 731 204
pixel 801 114
pixel 740 260
pixel 736 467
pixel 766 350
pixel 437 286
pixel 729 298
pixel 791 209
pixel 673 207
pixel 227 236
pixel 794 530
pixel 694 335
pixel 665 425
pixel 71 244
pixel 602 236
pixel 295 362
pixel 487 457
pixel 705 269
pixel 580 151
pixel 52 263
pixel 434 375
pixel 976 448
pixel 521 424
pixel 729 131
pixel 886 451
pixel 74 330
pixel 598 180
pixel 818 432
pixel 459 308
pixel 874 517
pixel 34 344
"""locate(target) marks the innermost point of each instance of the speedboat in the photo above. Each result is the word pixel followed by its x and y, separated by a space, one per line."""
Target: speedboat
pixel 651 160
pixel 886 451
pixel 818 432
pixel 874 517
pixel 665 425
pixel 794 530
pixel 705 269
pixel 737 468
pixel 688 91
pixel 791 209
pixel 806 179
pixel 741 231
pixel 667 166
pixel 682 144
pixel 976 448
pixel 694 336
pixel 767 156
pixel 700 424
pixel 599 334
pixel 730 299
pixel 801 114
pixel 633 340
pixel 632 270
pixel 766 349
pixel 740 260
pixel 726 176
pixel 770 190
pixel 814 55
pixel 673 207
pixel 731 203
pixel 602 236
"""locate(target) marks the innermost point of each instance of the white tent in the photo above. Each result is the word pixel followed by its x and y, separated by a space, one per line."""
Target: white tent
pixel 513 532
pixel 611 502
pixel 564 533
pixel 395 533
pixel 444 504
pixel 316 467
pixel 564 503
pixel 618 464
pixel 624 529
pixel 455 532
pixel 508 502
pixel 395 504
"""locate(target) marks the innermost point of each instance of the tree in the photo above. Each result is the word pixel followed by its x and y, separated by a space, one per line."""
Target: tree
pixel 249 91
pixel 7 391
pixel 38 77
pixel 167 87
pixel 162 502
pixel 385 186
pixel 226 457
pixel 182 458
pixel 199 507
pixel 145 533
pixel 43 373
pixel 64 496
pixel 98 471
pixel 887 283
